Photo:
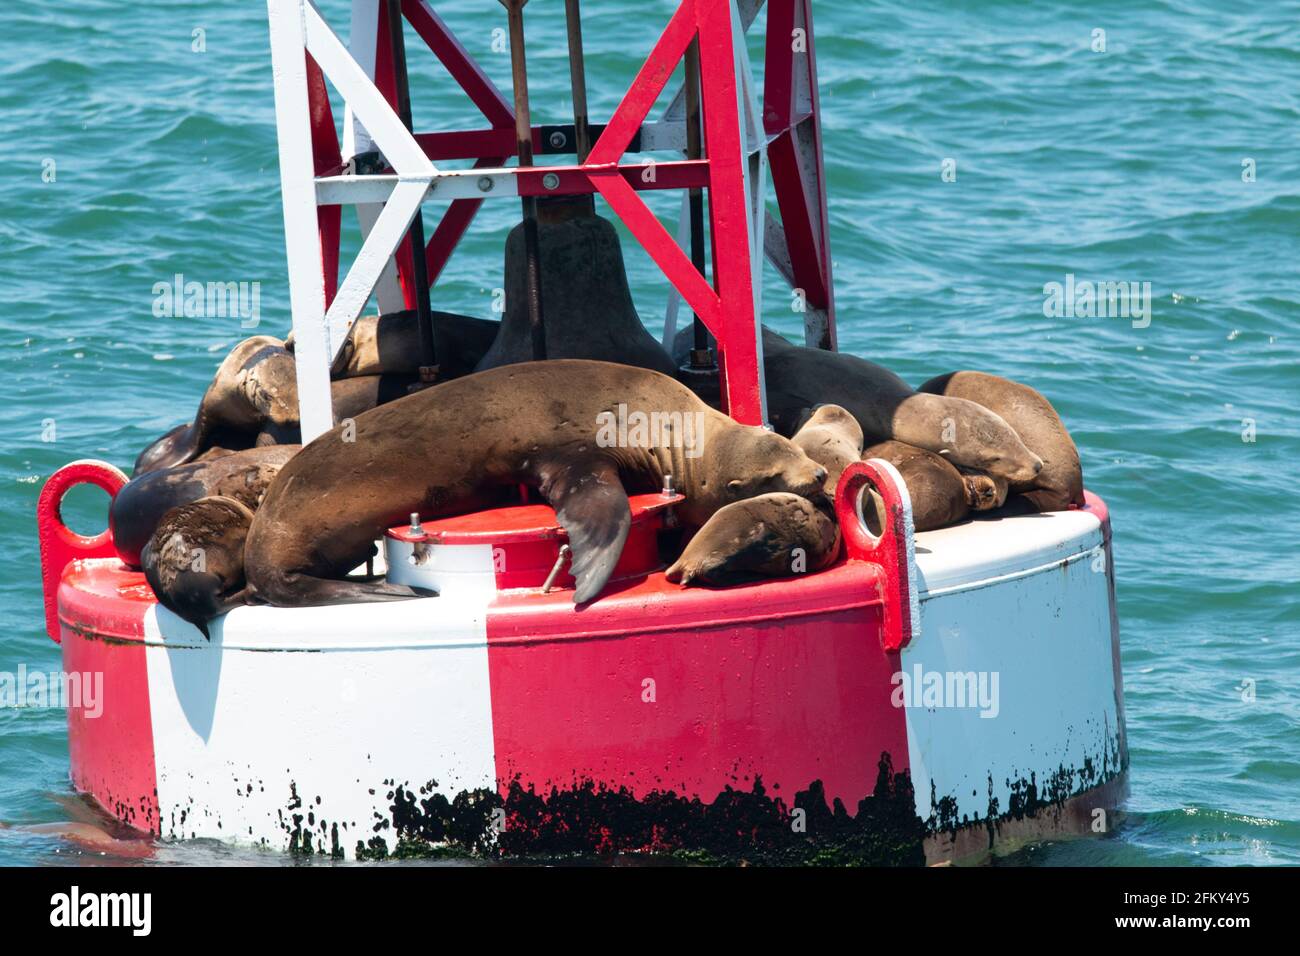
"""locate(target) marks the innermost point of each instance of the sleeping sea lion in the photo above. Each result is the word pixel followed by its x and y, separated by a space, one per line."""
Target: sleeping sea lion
pixel 941 494
pixel 141 503
pixel 832 438
pixel 247 394
pixel 195 560
pixel 586 433
pixel 253 401
pixel 799 379
pixel 777 535
pixel 771 536
pixel 966 433
pixel 1060 483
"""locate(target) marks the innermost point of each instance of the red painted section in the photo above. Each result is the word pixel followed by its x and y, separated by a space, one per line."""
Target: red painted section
pixel 471 78
pixel 526 540
pixel 60 544
pixel 1094 504
pixel 888 551
pixel 800 190
pixel 727 308
pixel 326 159
pixel 102 607
pixel 785 679
pixel 468 75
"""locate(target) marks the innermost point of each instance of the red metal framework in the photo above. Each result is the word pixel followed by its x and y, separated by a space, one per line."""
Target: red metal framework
pixel 726 301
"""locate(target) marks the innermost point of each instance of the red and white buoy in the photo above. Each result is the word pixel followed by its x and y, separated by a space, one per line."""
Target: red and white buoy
pixel 641 720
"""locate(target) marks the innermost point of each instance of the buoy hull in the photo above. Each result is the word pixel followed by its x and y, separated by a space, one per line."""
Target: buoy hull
pixel 737 721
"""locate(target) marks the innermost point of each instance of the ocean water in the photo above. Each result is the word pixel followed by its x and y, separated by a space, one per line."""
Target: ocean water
pixel 1129 163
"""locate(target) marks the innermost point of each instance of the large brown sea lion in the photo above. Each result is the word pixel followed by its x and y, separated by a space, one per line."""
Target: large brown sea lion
pixel 772 536
pixel 800 379
pixel 1060 483
pixel 777 535
pixel 141 503
pixel 586 433
pixel 941 494
pixel 195 560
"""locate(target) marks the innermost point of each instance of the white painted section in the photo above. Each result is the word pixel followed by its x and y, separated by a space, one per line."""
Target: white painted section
pixel 1021 599
pixel 362 43
pixel 367 104
pixel 301 238
pixel 376 253
pixel 447 185
pixel 987 548
pixel 464 570
pixel 325 702
pixel 388 290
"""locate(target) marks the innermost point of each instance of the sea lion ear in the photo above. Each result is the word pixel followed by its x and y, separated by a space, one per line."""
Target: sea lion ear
pixel 592 507
pixel 735 485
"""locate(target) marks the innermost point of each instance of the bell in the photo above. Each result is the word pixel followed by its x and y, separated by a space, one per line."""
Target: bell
pixel 587 307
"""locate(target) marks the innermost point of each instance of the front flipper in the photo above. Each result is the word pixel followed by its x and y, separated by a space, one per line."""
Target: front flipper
pixel 591 504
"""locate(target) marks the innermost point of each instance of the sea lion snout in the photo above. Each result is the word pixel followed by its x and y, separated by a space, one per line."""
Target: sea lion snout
pixel 1029 471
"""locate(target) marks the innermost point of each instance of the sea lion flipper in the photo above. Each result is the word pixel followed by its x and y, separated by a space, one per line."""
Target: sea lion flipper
pixel 179 446
pixel 592 507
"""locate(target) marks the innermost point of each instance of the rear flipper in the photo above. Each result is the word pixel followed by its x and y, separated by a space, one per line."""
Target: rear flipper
pixel 592 507
pixel 177 447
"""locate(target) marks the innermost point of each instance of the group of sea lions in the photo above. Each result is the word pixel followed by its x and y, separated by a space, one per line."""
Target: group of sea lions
pixel 229 509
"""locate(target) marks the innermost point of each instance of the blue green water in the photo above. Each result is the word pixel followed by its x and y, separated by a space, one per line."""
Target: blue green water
pixel 1122 165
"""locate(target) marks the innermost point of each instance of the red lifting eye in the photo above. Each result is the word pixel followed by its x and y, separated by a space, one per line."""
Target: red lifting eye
pixel 59 543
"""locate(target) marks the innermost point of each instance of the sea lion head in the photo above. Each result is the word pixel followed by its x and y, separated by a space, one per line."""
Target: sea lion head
pixel 832 437
pixel 754 461
pixel 195 560
pixel 984 441
pixel 984 492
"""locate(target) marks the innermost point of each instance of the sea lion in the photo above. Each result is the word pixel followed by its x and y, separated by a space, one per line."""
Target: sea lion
pixel 1060 483
pixel 576 429
pixel 587 308
pixel 195 560
pixel 832 438
pixel 141 503
pixel 253 401
pixel 776 535
pixel 390 345
pixel 771 536
pixel 941 494
pixel 799 379
pixel 248 395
